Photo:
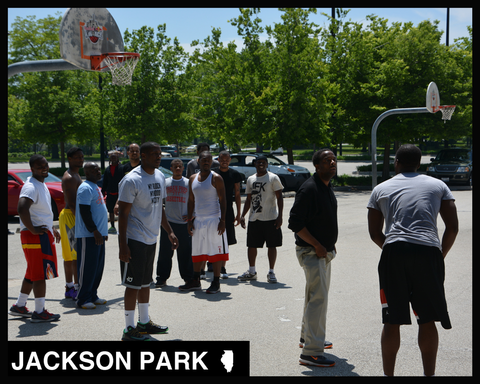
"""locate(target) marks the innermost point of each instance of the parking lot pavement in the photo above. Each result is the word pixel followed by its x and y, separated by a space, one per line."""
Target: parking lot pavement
pixel 269 315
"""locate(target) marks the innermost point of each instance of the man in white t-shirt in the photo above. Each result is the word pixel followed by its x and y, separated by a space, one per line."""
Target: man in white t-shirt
pixel 411 268
pixel 38 238
pixel 140 214
pixel 264 196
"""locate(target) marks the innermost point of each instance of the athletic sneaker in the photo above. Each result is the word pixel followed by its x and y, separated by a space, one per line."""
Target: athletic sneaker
pixel 132 334
pixel 326 344
pixel 317 361
pixel 203 275
pixel 223 273
pixel 88 305
pixel 100 301
pixel 271 277
pixel 151 328
pixel 192 285
pixel 70 293
pixel 214 288
pixel 112 231
pixel 160 284
pixel 15 310
pixel 44 317
pixel 247 276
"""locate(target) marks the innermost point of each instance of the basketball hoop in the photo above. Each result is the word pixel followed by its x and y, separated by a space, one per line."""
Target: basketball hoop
pixel 447 111
pixel 121 65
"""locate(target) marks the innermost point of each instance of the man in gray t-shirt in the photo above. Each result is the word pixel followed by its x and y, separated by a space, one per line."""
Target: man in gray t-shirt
pixel 411 268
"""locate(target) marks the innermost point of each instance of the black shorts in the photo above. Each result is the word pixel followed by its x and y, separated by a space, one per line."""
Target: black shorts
pixel 412 273
pixel 138 272
pixel 111 201
pixel 261 232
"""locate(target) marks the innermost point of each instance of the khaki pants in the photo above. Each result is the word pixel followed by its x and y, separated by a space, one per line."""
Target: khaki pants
pixel 317 282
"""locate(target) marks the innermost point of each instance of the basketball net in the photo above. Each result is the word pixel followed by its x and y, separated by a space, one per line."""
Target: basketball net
pixel 447 112
pixel 121 66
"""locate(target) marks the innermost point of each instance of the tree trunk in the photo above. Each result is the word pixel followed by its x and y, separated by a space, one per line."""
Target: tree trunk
pixel 290 155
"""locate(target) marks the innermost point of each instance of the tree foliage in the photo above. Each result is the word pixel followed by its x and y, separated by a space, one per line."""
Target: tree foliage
pixel 293 83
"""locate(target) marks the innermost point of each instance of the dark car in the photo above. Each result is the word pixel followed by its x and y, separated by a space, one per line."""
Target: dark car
pixel 452 165
pixel 172 149
pixel 16 179
pixel 291 176
pixel 166 161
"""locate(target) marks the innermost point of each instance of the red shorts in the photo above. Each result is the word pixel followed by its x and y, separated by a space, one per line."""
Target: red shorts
pixel 40 254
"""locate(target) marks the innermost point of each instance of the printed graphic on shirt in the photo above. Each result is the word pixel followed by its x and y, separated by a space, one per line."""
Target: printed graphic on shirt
pixel 155 192
pixel 177 193
pixel 257 188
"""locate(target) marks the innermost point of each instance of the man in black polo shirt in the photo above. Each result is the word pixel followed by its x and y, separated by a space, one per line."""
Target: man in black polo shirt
pixel 313 218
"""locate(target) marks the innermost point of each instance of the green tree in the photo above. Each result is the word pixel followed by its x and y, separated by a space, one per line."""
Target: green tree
pixel 381 67
pixel 156 105
pixel 54 102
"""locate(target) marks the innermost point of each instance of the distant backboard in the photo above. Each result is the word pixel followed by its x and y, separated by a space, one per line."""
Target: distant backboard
pixel 433 98
pixel 86 32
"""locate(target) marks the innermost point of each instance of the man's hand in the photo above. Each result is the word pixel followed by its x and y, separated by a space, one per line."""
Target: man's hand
pixel 221 227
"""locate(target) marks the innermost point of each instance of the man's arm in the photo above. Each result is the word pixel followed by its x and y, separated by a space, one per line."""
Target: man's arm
pixel 219 185
pixel 123 212
pixel 448 212
pixel 23 209
pixel 86 214
pixel 279 220
pixel 166 226
pixel 238 202
pixel 246 207
pixel 375 226
pixel 191 206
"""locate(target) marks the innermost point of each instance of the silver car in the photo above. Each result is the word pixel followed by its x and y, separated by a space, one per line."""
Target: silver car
pixel 291 176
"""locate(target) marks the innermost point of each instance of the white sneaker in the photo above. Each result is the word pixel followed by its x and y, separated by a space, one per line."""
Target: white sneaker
pixel 271 277
pixel 100 301
pixel 88 305
pixel 247 276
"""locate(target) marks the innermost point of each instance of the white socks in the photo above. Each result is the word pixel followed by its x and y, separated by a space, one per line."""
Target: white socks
pixel 22 300
pixel 143 316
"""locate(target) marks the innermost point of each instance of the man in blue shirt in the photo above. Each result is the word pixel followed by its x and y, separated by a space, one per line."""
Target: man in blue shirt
pixel 91 231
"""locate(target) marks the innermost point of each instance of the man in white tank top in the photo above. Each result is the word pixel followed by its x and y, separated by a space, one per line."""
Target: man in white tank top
pixel 209 241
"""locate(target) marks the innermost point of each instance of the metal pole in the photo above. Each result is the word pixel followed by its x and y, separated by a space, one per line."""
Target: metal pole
pixel 40 66
pixel 396 111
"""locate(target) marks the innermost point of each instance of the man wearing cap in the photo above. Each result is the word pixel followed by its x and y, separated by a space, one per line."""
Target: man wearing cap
pixel 264 195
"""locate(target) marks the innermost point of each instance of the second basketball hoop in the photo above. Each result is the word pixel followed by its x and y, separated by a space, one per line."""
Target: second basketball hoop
pixel 433 103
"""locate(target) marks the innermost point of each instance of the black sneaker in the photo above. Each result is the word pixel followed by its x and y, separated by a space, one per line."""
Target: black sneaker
pixel 15 310
pixel 317 361
pixel 44 317
pixel 214 288
pixel 151 328
pixel 132 334
pixel 192 285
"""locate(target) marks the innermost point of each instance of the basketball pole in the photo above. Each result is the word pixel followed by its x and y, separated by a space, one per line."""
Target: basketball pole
pixel 396 111
pixel 40 66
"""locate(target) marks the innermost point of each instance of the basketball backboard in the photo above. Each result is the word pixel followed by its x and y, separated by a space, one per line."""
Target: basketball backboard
pixel 88 32
pixel 433 98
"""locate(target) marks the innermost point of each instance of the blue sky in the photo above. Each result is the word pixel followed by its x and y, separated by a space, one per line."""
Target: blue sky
pixel 188 24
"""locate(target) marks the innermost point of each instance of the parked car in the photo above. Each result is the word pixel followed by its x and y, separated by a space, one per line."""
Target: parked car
pixel 165 163
pixel 278 151
pixel 172 149
pixel 291 176
pixel 452 165
pixel 16 179
pixel 191 148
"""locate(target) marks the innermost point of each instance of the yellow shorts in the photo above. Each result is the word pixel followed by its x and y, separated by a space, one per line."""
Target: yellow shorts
pixel 66 222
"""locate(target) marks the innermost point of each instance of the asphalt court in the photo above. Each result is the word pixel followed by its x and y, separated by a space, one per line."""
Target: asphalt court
pixel 269 315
